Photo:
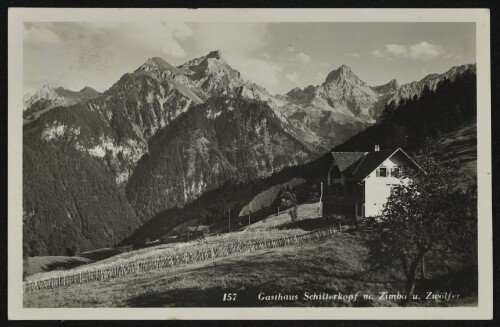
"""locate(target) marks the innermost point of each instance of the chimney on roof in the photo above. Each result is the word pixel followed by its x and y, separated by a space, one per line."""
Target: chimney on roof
pixel 377 148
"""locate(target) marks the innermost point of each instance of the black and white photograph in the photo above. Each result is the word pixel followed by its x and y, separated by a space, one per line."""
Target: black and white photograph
pixel 192 159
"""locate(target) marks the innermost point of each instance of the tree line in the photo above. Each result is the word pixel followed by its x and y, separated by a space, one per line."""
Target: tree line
pixel 410 123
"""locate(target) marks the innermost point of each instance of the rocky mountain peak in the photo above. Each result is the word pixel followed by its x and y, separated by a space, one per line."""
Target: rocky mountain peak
pixel 297 92
pixel 345 68
pixel 390 87
pixel 156 61
pixel 430 77
pixel 88 92
pixel 201 63
pixel 46 91
pixel 214 60
pixel 52 97
pixel 309 88
pixel 158 67
pixel 344 72
pixel 210 75
pixel 217 54
pixel 394 83
pixel 87 89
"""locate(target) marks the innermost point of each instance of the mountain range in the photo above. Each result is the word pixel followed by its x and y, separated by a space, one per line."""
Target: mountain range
pixel 97 166
pixel 343 104
pixel 47 97
pixel 415 124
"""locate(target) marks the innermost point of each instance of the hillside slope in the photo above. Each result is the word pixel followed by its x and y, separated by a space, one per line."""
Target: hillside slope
pixel 460 146
pixel 78 158
pixel 340 263
pixel 70 198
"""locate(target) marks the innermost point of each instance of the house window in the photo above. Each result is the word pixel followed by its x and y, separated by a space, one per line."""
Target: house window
pixel 395 171
pixel 382 172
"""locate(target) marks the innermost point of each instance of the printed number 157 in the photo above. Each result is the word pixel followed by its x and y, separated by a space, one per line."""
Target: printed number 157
pixel 229 297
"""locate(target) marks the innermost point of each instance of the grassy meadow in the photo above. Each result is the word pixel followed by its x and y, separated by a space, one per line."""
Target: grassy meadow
pixel 345 262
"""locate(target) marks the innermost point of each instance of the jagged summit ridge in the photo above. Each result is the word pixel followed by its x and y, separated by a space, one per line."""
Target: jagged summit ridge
pixel 214 56
pixel 210 75
pixel 430 81
pixel 88 91
pixel 204 77
pixel 154 62
pixel 57 96
pixel 217 54
pixel 158 67
pixel 344 104
pixel 344 73
pixel 390 87
pixel 212 63
pixel 207 76
pixel 393 83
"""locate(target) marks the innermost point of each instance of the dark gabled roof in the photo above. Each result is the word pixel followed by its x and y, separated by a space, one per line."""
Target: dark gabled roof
pixel 365 163
pixel 345 159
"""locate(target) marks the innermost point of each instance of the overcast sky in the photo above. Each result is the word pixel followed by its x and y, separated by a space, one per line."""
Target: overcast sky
pixel 278 56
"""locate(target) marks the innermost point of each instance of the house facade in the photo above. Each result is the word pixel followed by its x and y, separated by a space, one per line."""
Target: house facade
pixel 359 183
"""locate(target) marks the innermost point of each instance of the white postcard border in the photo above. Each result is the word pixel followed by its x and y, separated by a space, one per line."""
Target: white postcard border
pixel 17 16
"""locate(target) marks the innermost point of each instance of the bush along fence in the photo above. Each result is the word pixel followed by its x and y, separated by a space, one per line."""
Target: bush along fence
pixel 186 257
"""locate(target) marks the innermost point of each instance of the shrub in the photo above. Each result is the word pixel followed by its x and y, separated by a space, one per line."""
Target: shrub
pixel 72 250
pixel 288 200
pixel 313 194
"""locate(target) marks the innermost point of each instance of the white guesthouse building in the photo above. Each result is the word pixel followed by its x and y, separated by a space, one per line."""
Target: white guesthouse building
pixel 359 183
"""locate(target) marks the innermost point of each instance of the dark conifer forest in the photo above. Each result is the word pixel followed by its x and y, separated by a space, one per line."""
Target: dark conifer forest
pixel 410 123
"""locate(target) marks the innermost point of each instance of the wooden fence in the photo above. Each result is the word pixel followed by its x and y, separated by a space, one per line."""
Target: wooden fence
pixel 186 257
